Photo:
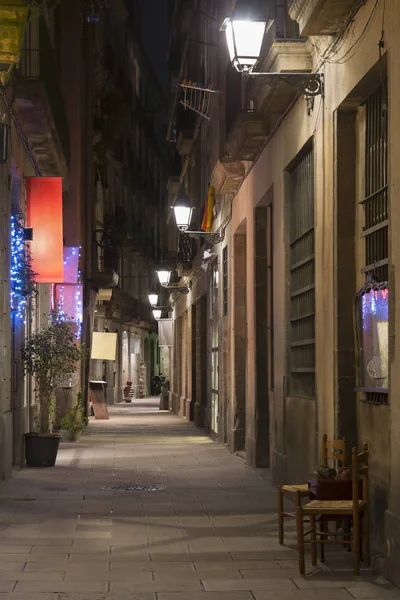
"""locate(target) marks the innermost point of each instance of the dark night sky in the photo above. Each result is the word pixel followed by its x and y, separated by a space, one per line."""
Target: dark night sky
pixel 155 35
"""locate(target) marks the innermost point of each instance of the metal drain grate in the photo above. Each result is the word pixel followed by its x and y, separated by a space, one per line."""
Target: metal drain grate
pixel 133 488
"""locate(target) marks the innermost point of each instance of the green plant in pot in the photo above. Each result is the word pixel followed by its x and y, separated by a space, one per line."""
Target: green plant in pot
pixel 73 423
pixel 51 356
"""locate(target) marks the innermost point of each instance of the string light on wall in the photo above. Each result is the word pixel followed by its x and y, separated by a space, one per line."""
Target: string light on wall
pixel 22 277
pixel 69 294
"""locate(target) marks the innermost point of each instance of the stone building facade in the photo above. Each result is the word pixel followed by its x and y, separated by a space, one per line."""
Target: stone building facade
pixel 306 200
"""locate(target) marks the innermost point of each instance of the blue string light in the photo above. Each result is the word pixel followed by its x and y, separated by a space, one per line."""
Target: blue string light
pixel 21 274
pixel 78 317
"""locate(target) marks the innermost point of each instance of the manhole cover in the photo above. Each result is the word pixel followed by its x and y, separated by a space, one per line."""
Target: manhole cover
pixel 133 488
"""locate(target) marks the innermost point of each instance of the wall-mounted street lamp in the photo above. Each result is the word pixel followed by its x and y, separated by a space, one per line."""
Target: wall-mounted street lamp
pixel 245 31
pixel 183 215
pixel 157 314
pixel 164 276
pixel 153 299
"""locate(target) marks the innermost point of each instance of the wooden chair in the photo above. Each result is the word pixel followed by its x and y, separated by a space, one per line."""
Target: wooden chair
pixel 334 450
pixel 355 509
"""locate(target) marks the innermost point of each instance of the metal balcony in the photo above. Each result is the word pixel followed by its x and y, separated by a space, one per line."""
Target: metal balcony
pixel 40 102
pixel 321 17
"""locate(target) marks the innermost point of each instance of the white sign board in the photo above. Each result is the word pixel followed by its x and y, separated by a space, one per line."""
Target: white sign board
pixel 165 336
pixel 104 346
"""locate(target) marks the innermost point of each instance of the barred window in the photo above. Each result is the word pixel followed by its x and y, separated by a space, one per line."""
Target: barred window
pixel 302 278
pixel 374 355
pixel 225 280
pixel 375 203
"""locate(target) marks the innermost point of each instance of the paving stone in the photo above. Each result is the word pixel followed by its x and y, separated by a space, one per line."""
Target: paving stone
pixel 221 585
pixel 168 586
pixel 326 594
pixel 206 596
pixel 109 596
pixel 62 586
pixel 28 596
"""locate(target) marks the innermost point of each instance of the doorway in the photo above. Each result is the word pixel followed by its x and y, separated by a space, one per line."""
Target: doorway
pixel 238 425
pixel 214 313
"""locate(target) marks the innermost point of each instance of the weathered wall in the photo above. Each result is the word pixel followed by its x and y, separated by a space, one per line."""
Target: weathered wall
pixel 299 424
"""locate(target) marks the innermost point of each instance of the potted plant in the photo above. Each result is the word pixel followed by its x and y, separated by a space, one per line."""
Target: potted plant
pixel 50 356
pixel 73 422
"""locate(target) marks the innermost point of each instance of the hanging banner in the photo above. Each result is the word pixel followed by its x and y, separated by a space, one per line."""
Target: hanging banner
pixel 71 264
pixel 165 337
pixel 104 345
pixel 209 210
pixel 44 215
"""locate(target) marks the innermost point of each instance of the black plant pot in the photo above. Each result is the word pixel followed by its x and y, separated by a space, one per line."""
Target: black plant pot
pixel 41 449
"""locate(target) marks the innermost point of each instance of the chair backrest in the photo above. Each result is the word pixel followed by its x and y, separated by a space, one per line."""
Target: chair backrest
pixel 334 450
pixel 360 470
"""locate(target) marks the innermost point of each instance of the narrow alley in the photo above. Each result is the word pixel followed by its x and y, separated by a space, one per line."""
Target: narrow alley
pixel 199 525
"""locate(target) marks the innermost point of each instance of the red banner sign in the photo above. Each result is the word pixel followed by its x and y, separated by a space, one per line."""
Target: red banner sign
pixel 44 215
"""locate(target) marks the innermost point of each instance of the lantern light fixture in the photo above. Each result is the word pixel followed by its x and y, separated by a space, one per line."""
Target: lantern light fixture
pixel 157 314
pixel 183 214
pixel 153 299
pixel 164 277
pixel 245 31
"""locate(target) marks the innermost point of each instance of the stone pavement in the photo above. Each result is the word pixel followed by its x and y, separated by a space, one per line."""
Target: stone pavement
pixel 207 533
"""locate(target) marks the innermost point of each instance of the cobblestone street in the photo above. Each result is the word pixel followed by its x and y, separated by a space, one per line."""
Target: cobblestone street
pixel 201 525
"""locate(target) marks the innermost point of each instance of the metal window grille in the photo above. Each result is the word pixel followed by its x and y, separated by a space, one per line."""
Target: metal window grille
pixel 375 203
pixel 225 280
pixel 302 278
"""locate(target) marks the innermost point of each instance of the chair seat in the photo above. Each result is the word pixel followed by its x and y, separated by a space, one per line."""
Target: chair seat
pixel 331 506
pixel 292 489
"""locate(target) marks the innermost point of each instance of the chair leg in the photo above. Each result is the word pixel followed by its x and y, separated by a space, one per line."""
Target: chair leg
pixel 356 543
pixel 313 540
pixel 367 539
pixel 322 538
pixel 347 535
pixel 300 539
pixel 280 515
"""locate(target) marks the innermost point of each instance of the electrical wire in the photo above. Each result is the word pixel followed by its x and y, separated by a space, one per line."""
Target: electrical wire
pixel 353 48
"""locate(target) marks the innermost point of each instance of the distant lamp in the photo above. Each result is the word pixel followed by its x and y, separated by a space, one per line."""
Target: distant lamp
pixel 245 31
pixel 153 299
pixel 157 314
pixel 164 277
pixel 183 215
pixel 183 212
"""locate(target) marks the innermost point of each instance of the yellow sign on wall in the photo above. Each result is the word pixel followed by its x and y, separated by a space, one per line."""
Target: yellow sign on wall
pixel 104 346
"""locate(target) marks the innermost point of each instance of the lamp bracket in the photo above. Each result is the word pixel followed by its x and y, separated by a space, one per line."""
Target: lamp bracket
pixel 214 237
pixel 177 288
pixel 309 84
